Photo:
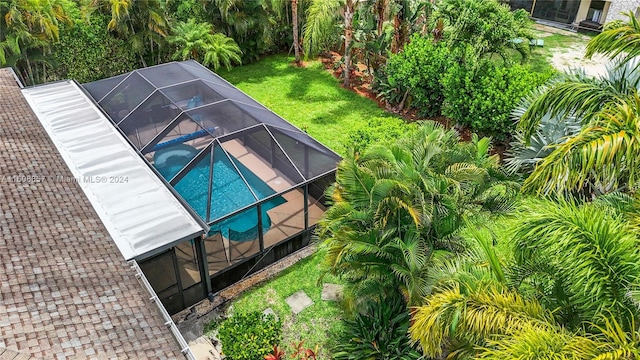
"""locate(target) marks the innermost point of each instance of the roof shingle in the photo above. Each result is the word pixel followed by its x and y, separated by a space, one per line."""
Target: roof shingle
pixel 65 290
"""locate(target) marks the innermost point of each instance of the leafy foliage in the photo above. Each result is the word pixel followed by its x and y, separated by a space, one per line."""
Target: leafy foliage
pixel 247 22
pixel 487 26
pixel 377 331
pixel 523 155
pixel 594 253
pixel 482 96
pixel 418 70
pixel 619 38
pixel 249 336
pixel 28 28
pixel 464 317
pixel 598 158
pixel 197 41
pixel 103 55
pixel 394 206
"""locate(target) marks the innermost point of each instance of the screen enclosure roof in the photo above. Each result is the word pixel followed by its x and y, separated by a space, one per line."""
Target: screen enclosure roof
pixel 140 213
pixel 183 119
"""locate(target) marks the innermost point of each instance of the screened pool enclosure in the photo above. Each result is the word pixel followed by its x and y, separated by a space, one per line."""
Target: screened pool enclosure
pixel 254 179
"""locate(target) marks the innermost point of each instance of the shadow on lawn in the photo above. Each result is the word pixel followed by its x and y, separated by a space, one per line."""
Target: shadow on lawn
pixel 301 79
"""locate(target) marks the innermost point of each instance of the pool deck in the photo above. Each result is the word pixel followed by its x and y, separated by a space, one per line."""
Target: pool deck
pixel 66 292
pixel 286 219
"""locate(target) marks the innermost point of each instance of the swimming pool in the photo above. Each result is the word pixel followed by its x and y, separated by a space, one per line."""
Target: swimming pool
pixel 229 193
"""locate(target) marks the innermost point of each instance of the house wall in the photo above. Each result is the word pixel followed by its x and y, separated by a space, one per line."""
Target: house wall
pixel 619 6
pixel 586 5
pixel 582 11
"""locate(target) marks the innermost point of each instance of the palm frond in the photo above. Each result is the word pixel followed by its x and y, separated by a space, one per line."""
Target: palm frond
pixel 321 19
pixel 619 38
pixel 474 317
pixel 609 147
pixel 593 250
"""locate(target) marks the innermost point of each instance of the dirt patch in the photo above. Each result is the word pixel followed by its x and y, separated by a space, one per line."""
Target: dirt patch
pixel 573 57
pixel 571 54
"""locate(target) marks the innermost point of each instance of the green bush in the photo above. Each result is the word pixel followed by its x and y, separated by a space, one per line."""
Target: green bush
pixel 487 27
pixel 249 336
pixel 482 96
pixel 419 69
pixel 88 52
pixel 378 332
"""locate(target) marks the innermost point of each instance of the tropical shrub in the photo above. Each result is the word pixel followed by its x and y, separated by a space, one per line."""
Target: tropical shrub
pixel 197 41
pixel 482 95
pixel 590 256
pixel 249 336
pixel 103 55
pixel 488 27
pixel 378 331
pixel 524 153
pixel 568 289
pixel 417 70
pixel 603 156
pixel 395 206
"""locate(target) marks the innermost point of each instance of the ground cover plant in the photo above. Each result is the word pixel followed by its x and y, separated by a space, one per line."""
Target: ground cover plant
pixel 249 335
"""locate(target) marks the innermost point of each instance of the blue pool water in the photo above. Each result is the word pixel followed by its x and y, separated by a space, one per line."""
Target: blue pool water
pixel 229 192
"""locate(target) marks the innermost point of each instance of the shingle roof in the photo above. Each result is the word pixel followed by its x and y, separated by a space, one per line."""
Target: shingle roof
pixel 65 290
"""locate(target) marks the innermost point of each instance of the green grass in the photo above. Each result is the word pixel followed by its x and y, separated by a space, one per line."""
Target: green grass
pixel 312 99
pixel 316 324
pixel 539 59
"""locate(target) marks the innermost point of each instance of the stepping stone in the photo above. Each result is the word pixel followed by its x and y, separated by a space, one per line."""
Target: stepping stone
pixel 299 301
pixel 203 349
pixel 332 292
pixel 269 311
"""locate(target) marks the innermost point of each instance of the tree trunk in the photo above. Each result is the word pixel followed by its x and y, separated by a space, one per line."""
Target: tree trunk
pixel 294 20
pixel 396 42
pixel 348 35
pixel 380 10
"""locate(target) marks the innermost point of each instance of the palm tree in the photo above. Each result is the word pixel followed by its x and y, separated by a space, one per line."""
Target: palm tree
pixel 321 18
pixel 279 6
pixel 566 255
pixel 602 157
pixel 246 21
pixel 197 41
pixel 142 23
pixel 191 39
pixel 294 20
pixel 27 30
pixel 222 50
pixel 606 107
pixel 461 317
pixel 594 251
pixel 619 38
pixel 394 207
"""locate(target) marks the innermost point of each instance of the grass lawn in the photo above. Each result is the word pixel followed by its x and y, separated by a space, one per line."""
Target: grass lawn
pixel 540 58
pixel 312 99
pixel 315 324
